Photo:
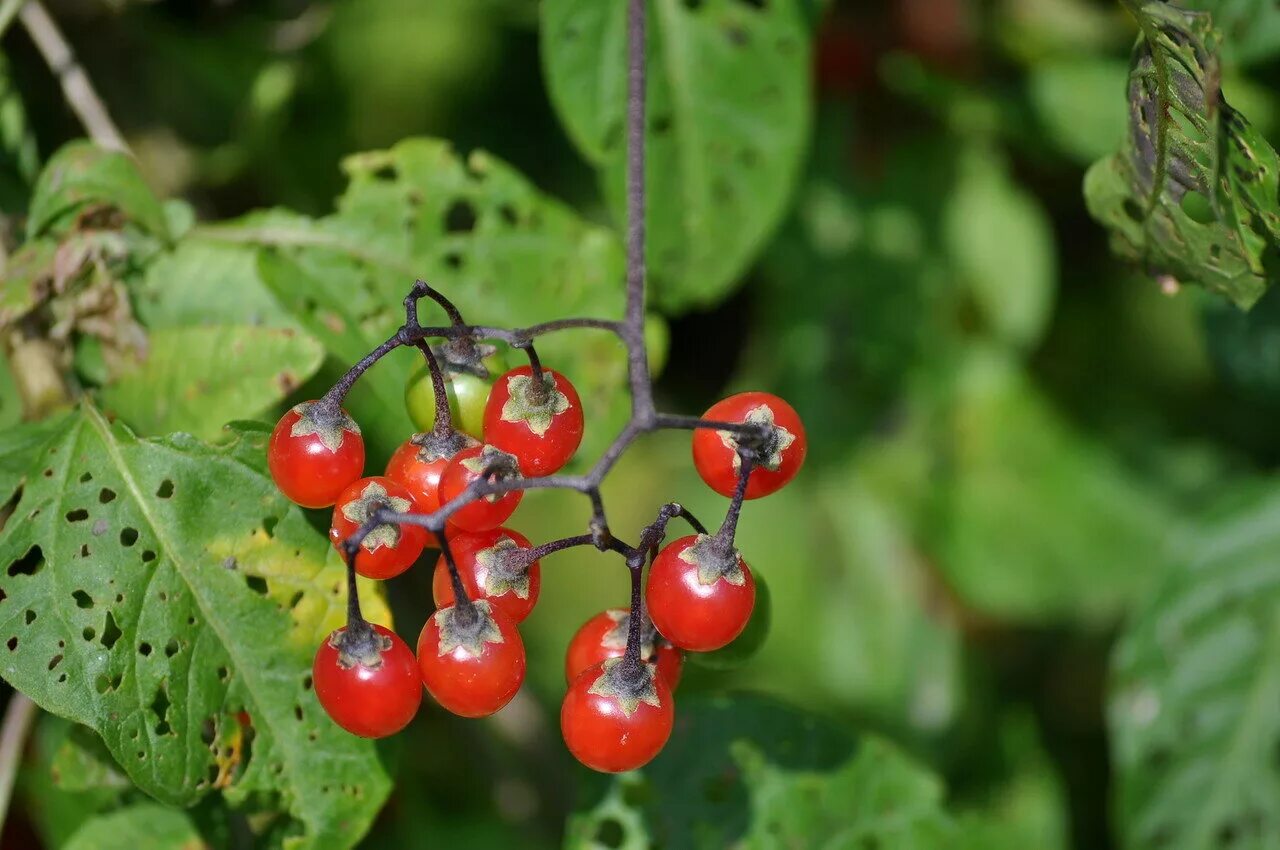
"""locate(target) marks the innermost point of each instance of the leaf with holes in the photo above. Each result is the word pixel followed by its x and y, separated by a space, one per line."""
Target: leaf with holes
pixel 728 124
pixel 195 379
pixel 1193 713
pixel 81 177
pixel 155 589
pixel 476 230
pixel 1193 191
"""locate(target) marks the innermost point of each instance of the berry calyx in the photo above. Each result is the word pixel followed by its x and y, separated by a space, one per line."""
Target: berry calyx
pixel 617 715
pixel 605 636
pixel 471 658
pixel 700 593
pixel 367 680
pixel 470 465
pixel 540 425
pixel 492 566
pixel 390 548
pixel 778 455
pixel 420 462
pixel 315 451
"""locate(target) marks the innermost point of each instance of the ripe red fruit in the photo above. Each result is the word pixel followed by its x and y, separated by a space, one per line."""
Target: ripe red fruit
pixel 472 665
pixel 369 688
pixel 314 453
pixel 699 596
pixel 487 571
pixel 715 453
pixel 605 636
pixel 614 718
pixel 542 432
pixel 467 466
pixel 391 548
pixel 418 465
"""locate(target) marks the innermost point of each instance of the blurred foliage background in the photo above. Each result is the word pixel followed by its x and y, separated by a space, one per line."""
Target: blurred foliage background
pixel 1025 452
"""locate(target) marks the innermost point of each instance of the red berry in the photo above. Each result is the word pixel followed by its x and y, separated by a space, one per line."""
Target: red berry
pixel 488 511
pixel 699 596
pixel 472 665
pixel 542 432
pixel 391 548
pixel 314 453
pixel 605 636
pixel 484 565
pixel 614 719
pixel 715 453
pixel 369 688
pixel 418 465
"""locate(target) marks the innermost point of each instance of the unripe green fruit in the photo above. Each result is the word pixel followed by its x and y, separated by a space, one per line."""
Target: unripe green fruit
pixel 467 396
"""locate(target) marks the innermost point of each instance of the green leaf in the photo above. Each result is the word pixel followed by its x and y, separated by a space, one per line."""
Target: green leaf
pixel 879 798
pixel 752 774
pixel 1078 539
pixel 194 379
pixel 1193 714
pixel 1077 100
pixel 693 793
pixel 142 826
pixel 476 230
pixel 156 588
pixel 1002 243
pixel 1250 28
pixel 17 445
pixel 728 123
pixel 1193 191
pixel 81 176
pixel 54 809
pixel 203 282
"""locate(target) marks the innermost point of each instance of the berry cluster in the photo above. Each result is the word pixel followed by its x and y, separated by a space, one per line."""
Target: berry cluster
pixel 454 490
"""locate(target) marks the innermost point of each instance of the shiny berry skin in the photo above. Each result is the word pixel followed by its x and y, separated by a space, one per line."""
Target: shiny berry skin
pixel 513 589
pixel 467 466
pixel 472 666
pixel 390 548
pixel 715 453
pixel 699 597
pixel 542 433
pixel 373 691
pixel 418 465
pixel 611 724
pixel 605 636
pixel 313 456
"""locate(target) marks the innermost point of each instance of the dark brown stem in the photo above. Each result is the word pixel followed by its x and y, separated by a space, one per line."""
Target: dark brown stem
pixel 444 416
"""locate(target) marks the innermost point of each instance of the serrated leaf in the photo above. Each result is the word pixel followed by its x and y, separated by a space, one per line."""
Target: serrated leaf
pixel 728 123
pixel 476 230
pixel 142 826
pixel 156 588
pixel 82 175
pixel 1193 191
pixel 1193 713
pixel 195 379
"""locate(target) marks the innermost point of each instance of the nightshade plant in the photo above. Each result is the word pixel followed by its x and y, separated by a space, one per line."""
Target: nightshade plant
pixel 445 485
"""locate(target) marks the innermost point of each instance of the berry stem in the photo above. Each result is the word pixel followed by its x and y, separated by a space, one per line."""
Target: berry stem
pixel 635 636
pixel 461 599
pixel 538 392
pixel 444 417
pixel 730 525
pixel 423 289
